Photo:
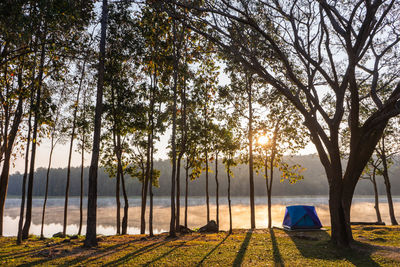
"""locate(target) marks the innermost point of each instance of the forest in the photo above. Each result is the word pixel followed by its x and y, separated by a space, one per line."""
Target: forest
pixel 236 85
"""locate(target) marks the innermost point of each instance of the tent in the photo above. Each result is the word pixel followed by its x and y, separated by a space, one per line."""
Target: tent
pixel 301 217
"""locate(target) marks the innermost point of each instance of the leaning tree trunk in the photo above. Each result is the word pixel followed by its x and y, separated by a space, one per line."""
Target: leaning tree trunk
pixel 117 198
pixel 144 188
pixel 91 239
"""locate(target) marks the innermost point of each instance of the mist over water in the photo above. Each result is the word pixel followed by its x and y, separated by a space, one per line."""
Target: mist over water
pixel 362 210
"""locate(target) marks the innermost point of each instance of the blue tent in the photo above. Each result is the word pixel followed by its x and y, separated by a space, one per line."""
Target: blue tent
pixel 301 217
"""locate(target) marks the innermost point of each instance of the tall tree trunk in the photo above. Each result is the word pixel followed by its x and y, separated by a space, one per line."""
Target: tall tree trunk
pixel 25 176
pixel 217 187
pixel 186 190
pixel 81 187
pixel 250 137
pixel 28 216
pixel 207 194
pixel 145 186
pixel 71 147
pixel 122 180
pixel 47 187
pixel 91 240
pixel 378 213
pixel 9 144
pixel 271 179
pixel 229 199
pixel 172 230
pixel 385 175
pixel 117 198
pixel 178 192
pixel 151 184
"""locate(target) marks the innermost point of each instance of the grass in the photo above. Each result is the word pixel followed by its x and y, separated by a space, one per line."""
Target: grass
pixel 374 246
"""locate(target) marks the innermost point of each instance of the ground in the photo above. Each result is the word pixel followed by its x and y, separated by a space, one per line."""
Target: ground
pixel 374 246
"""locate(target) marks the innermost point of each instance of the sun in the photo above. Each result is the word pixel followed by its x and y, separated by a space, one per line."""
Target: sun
pixel 263 140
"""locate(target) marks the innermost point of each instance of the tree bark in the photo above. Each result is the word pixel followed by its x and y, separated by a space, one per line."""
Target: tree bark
pixel 387 183
pixel 186 190
pixel 229 200
pixel 8 145
pixel 217 187
pixel 91 240
pixel 28 216
pixel 250 137
pixel 151 184
pixel 378 213
pixel 24 178
pixel 70 149
pixel 81 187
pixel 47 188
pixel 122 180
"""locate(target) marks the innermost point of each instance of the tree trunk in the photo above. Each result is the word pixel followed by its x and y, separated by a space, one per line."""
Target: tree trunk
pixel 145 186
pixel 387 183
pixel 217 187
pixel 8 145
pixel 378 213
pixel 151 185
pixel 81 192
pixel 186 190
pixel 172 230
pixel 178 192
pixel 339 209
pixel 117 196
pixel 71 147
pixel 47 187
pixel 121 173
pixel 207 195
pixel 91 240
pixel 250 136
pixel 229 200
pixel 28 216
pixel 24 178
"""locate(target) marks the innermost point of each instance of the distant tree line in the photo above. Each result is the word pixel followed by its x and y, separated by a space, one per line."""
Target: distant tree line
pixel 314 182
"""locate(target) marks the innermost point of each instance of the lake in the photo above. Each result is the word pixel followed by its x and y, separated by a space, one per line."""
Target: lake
pixel 362 210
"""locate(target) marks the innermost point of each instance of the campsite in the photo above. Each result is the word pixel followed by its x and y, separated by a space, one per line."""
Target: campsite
pixel 191 133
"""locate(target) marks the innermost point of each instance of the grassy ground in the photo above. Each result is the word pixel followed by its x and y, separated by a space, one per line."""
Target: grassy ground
pixel 375 246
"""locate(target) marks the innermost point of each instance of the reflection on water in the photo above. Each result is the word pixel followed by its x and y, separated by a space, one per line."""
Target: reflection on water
pixel 362 210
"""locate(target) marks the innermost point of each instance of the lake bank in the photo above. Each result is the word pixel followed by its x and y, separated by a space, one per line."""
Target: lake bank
pixel 374 246
pixel 362 210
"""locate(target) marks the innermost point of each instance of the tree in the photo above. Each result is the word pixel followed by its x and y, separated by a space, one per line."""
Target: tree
pixel 91 239
pixel 280 132
pixel 295 56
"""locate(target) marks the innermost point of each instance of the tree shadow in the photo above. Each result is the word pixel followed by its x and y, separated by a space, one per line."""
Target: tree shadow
pixel 275 249
pixel 242 251
pixel 317 244
pixel 212 251
pixel 137 253
pixel 76 250
pixel 169 252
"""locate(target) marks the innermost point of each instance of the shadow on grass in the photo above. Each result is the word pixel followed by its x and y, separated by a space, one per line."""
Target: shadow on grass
pixel 275 249
pixel 136 253
pixel 212 251
pixel 317 245
pixel 242 251
pixel 168 252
